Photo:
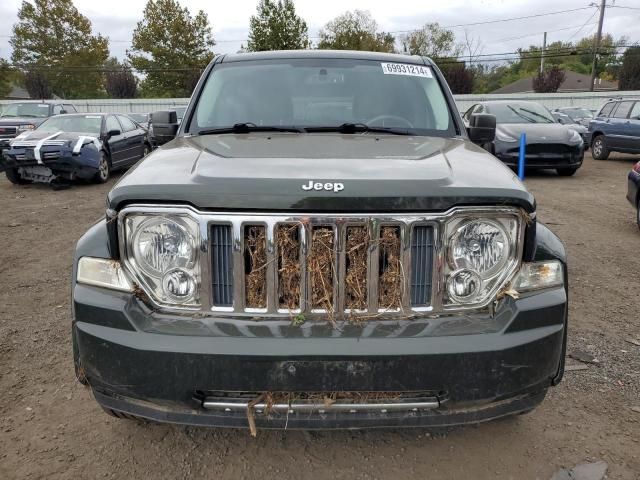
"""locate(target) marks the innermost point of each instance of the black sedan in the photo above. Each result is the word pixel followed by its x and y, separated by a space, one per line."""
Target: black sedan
pixel 78 146
pixel 550 145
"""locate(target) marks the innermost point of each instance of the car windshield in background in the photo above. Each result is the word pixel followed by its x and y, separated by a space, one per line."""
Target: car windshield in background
pixel 73 123
pixel 139 117
pixel 306 93
pixel 578 113
pixel 29 110
pixel 520 113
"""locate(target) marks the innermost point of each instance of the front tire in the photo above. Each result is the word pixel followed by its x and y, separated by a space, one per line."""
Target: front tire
pixel 599 150
pixel 14 177
pixel 104 169
pixel 147 150
pixel 566 172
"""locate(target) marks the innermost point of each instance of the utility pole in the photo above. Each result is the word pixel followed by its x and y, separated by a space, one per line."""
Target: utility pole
pixel 544 47
pixel 603 5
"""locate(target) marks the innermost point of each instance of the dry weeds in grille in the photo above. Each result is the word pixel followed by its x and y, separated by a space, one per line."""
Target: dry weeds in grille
pixel 391 274
pixel 320 264
pixel 255 277
pixel 356 248
pixel 288 244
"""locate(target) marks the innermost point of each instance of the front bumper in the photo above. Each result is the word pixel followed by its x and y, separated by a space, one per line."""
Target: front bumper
pixel 66 164
pixel 158 367
pixel 540 155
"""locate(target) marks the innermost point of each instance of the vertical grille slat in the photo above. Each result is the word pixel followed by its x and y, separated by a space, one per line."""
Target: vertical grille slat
pixel 421 265
pixel 222 265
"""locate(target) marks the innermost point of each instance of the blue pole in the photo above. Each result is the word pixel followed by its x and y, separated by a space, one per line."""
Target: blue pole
pixel 523 149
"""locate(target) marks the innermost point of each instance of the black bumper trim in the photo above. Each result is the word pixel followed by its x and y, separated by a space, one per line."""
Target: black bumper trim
pixel 441 417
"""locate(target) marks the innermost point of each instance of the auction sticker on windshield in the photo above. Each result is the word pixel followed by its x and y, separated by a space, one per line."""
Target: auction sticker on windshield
pixel 406 69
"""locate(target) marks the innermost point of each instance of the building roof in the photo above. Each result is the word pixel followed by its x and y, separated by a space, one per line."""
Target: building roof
pixel 573 82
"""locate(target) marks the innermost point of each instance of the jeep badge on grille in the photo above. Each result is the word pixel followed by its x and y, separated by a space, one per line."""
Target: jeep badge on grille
pixel 336 187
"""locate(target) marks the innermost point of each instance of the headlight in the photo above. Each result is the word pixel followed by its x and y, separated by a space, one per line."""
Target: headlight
pixel 26 127
pixel 503 137
pixel 480 246
pixel 482 254
pixel 162 251
pixel 574 137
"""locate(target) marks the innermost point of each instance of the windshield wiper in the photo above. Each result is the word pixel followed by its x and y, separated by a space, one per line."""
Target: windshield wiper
pixel 358 128
pixel 536 114
pixel 249 127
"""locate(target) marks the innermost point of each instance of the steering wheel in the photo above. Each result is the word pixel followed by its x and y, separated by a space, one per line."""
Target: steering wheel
pixel 404 121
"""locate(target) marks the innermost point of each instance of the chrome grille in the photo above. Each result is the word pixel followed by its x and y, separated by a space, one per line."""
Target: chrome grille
pixel 8 132
pixel 316 259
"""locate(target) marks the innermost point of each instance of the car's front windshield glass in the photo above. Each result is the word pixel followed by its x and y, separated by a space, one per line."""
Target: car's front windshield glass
pixel 520 113
pixel 73 123
pixel 27 110
pixel 579 113
pixel 139 117
pixel 321 92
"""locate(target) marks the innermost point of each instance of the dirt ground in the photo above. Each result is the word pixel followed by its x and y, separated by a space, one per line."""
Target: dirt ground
pixel 50 426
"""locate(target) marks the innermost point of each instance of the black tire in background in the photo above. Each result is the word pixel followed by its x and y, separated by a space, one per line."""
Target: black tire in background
pixel 104 169
pixel 14 177
pixel 599 150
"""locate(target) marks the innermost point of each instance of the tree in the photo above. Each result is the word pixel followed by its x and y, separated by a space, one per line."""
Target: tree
pixel 277 27
pixel 171 48
pixel 629 76
pixel 355 30
pixel 37 84
pixel 432 41
pixel 458 76
pixel 52 37
pixel 119 80
pixel 6 78
pixel 548 81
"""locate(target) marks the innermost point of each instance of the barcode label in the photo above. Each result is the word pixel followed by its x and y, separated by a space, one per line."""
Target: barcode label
pixel 406 69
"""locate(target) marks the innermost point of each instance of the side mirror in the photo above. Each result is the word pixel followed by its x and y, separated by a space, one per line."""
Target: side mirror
pixel 62 112
pixel 113 133
pixel 482 128
pixel 561 120
pixel 165 126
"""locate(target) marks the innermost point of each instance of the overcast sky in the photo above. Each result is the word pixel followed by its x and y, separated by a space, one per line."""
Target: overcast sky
pixel 116 19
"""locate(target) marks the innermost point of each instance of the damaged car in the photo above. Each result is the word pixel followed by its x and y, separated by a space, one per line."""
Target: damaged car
pixel 323 244
pixel 75 147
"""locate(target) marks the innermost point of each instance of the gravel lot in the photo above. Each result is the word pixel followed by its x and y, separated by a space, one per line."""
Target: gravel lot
pixel 51 427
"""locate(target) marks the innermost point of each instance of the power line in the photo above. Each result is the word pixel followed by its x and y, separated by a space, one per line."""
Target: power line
pixel 585 24
pixel 540 33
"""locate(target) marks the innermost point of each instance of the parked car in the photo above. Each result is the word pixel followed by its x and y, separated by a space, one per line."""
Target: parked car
pixel 633 192
pixel 578 115
pixel 322 245
pixel 24 116
pixel 161 139
pixel 616 128
pixel 550 145
pixel 75 146
pixel 565 119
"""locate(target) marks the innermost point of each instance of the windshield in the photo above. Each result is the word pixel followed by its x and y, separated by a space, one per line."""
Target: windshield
pixel 520 113
pixel 578 113
pixel 139 117
pixel 73 123
pixel 305 93
pixel 29 110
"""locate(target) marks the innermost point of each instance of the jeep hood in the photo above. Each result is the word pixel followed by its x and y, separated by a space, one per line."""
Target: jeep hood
pixel 15 121
pixel 266 172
